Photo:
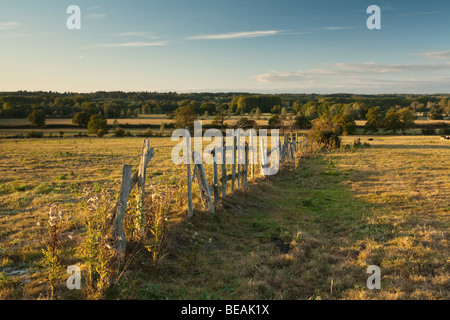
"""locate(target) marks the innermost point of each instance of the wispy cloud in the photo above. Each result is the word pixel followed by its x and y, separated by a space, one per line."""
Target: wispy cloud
pixel 422 13
pixel 437 55
pixel 137 34
pixel 127 45
pixel 349 70
pixel 10 25
pixel 337 28
pixel 95 16
pixel 235 35
pixel 387 7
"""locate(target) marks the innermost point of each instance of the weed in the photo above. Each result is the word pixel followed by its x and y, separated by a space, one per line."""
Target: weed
pixel 52 252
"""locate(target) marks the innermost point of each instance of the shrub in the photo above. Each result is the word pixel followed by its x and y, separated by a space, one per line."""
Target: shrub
pixel 325 133
pixel 148 132
pixel 275 122
pixel 35 134
pixel 100 133
pixel 429 131
pixel 246 123
pixel 119 132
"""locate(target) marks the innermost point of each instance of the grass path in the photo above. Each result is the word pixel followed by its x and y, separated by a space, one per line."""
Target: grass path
pixel 308 234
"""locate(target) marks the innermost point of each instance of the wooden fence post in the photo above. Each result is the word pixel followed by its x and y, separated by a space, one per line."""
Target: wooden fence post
pixel 224 169
pixel 118 233
pixel 254 150
pixel 146 156
pixel 238 158
pixel 233 165
pixel 205 192
pixel 263 156
pixel 189 177
pixel 246 166
pixel 216 178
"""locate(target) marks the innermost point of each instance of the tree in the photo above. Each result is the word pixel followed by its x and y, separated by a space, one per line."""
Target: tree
pixel 37 118
pixel 185 117
pixel 374 118
pixel 407 118
pixel 222 113
pixel 275 122
pixel 7 109
pixel 257 114
pixel 392 120
pixel 301 122
pixel 347 123
pixel 81 119
pixel 97 123
pixel 246 123
pixel 275 110
pixel 436 114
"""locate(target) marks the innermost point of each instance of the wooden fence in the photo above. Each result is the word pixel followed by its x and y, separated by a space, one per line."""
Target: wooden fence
pixel 210 194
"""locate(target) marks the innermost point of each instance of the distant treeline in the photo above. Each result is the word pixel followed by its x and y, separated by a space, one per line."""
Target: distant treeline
pixel 132 104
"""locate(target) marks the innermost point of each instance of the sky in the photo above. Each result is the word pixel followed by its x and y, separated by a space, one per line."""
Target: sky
pixel 260 46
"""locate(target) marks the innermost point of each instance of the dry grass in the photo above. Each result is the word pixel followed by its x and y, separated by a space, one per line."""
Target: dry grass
pixel 309 233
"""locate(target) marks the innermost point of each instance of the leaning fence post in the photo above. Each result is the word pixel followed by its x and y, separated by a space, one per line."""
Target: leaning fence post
pixel 146 156
pixel 189 177
pixel 263 156
pixel 118 233
pixel 202 182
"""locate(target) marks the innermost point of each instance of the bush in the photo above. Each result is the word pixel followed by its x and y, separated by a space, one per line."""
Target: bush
pixel 275 122
pixel 357 145
pixel 35 134
pixel 429 131
pixel 100 133
pixel 246 123
pixel 325 133
pixel 148 133
pixel 119 132
pixel 445 131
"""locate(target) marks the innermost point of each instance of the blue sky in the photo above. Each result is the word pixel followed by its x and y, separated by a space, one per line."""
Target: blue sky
pixel 220 46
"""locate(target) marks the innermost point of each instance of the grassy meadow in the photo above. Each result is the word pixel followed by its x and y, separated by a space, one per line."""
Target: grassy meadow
pixel 309 232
